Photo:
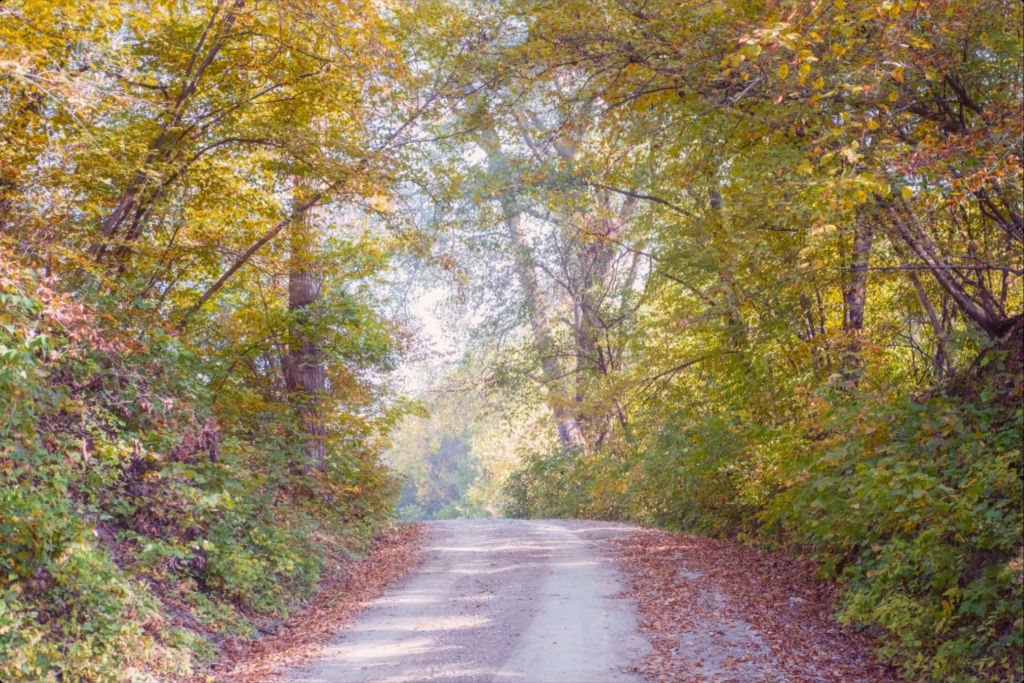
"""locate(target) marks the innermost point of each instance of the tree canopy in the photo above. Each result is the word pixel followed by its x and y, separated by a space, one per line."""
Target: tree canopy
pixel 750 268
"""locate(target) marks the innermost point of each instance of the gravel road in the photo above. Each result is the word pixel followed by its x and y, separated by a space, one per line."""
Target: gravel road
pixel 495 601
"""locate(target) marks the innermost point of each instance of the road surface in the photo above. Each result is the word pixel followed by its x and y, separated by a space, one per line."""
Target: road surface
pixel 498 601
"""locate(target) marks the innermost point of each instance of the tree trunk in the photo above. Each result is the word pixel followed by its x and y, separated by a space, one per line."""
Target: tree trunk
pixel 854 299
pixel 941 359
pixel 736 325
pixel 569 433
pixel 904 224
pixel 596 250
pixel 303 364
pixel 568 428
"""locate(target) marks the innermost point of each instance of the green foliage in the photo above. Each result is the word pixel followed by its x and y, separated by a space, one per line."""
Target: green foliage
pixel 67 609
pixel 916 506
pixel 252 560
pixel 119 491
pixel 548 485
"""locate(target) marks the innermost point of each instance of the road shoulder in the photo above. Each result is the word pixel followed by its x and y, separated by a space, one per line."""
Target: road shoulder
pixel 720 611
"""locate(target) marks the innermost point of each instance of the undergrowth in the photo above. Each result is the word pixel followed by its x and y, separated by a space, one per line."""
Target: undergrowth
pixel 145 517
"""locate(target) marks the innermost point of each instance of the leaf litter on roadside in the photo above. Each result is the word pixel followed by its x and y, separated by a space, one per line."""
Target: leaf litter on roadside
pixel 720 611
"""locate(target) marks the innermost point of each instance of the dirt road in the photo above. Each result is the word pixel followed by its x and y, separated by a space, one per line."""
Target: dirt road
pixel 495 601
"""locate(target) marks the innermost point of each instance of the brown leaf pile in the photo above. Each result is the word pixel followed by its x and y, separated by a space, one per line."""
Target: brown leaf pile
pixel 340 599
pixel 685 584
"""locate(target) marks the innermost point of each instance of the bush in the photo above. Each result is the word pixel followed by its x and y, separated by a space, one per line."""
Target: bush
pixel 916 507
pixel 126 486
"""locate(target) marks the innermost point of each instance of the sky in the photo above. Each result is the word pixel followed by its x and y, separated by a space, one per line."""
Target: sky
pixel 437 345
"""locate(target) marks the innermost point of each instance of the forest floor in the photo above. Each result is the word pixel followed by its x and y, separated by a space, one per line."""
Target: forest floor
pixel 720 611
pixel 568 602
